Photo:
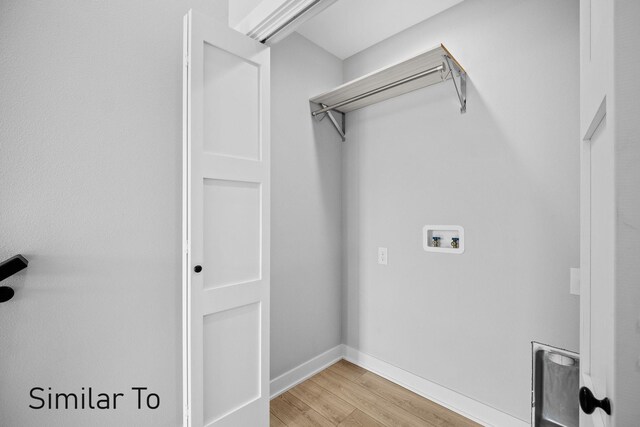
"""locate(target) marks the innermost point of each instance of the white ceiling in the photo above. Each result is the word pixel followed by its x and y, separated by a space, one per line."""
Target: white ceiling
pixel 349 26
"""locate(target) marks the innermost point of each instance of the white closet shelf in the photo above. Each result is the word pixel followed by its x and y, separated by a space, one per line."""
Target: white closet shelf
pixel 428 68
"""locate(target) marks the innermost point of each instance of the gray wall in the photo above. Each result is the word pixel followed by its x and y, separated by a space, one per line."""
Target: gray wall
pixel 507 171
pixel 306 253
pixel 90 193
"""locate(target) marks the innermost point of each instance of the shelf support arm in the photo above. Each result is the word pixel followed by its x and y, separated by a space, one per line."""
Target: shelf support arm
pixel 340 127
pixel 462 91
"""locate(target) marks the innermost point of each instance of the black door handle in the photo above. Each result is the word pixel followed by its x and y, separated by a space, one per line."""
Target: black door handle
pixel 197 268
pixel 6 293
pixel 589 403
pixel 8 268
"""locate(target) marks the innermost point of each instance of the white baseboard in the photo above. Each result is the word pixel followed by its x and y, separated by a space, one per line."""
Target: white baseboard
pixel 306 370
pixel 466 406
pixel 470 408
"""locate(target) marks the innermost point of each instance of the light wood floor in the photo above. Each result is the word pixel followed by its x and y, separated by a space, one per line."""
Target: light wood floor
pixel 347 395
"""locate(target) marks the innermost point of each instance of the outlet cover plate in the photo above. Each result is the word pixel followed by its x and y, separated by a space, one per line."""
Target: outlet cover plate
pixel 383 257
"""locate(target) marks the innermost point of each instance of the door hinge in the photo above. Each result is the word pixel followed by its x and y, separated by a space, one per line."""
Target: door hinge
pixel 187 61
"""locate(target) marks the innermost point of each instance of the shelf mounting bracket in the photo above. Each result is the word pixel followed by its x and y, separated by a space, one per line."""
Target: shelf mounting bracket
pixel 340 127
pixel 462 76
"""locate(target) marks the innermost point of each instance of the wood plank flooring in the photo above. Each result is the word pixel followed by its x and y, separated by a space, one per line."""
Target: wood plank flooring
pixel 347 395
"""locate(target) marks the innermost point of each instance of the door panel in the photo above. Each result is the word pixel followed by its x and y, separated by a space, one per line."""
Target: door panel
pixel 231 92
pixel 232 376
pixel 231 232
pixel 602 257
pixel 226 226
pixel 597 335
pixel 596 22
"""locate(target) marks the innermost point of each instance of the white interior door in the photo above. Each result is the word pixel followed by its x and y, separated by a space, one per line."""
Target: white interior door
pixel 597 282
pixel 597 210
pixel 226 192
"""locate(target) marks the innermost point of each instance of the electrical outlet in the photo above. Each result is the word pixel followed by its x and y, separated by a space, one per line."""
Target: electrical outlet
pixel 382 256
pixel 574 281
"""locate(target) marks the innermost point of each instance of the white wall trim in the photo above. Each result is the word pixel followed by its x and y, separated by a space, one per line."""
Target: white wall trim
pixel 306 370
pixel 470 408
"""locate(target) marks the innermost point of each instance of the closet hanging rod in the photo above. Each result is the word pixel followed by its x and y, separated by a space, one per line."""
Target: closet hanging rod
pixel 380 89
